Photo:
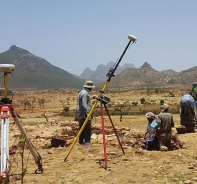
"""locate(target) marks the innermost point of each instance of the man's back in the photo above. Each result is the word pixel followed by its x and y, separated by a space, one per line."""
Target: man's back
pixel 165 122
pixel 83 104
pixel 187 109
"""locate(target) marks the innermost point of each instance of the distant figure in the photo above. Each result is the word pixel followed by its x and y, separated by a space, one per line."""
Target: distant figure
pixel 120 114
pixel 166 122
pixel 83 108
pixel 193 92
pixel 151 132
pixel 187 111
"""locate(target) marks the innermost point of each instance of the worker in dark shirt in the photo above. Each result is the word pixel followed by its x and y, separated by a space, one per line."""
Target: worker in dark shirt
pixel 166 122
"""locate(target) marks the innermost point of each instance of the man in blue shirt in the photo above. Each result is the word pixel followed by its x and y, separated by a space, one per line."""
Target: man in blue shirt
pixel 152 141
pixel 83 108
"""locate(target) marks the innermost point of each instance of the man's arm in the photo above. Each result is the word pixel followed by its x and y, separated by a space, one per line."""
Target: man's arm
pixel 172 121
pixel 86 102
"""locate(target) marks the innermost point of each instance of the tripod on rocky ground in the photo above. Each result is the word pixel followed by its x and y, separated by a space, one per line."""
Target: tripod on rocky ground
pixel 6 108
pixel 109 75
pixel 103 101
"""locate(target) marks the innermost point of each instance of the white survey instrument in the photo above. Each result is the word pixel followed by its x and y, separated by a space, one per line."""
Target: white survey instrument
pixel 132 38
pixel 7 109
pixel 7 68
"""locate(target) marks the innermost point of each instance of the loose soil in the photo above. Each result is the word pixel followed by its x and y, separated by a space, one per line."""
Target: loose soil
pixel 85 164
pixel 82 163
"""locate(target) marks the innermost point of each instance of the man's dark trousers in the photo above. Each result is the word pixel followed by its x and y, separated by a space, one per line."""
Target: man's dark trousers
pixel 86 133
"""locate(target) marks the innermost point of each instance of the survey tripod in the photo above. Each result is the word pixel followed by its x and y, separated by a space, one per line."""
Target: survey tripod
pixel 6 108
pixel 104 100
pixel 109 75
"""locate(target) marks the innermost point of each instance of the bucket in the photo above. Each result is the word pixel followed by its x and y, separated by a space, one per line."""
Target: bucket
pixel 190 129
pixel 181 130
pixel 55 142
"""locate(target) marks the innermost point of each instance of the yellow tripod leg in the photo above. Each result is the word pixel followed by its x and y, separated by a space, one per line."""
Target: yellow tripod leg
pixel 5 85
pixel 84 124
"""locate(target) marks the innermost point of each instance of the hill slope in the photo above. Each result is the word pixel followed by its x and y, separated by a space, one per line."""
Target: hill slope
pixel 146 76
pixel 34 72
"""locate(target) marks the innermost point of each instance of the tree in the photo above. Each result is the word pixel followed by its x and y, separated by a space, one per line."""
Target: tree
pixel 161 102
pixel 41 102
pixel 142 100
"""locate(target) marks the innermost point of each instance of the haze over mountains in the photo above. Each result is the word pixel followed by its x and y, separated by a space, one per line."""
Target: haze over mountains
pixel 34 72
pixel 101 71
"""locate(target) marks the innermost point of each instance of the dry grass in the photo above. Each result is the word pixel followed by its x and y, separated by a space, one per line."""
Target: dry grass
pixel 136 166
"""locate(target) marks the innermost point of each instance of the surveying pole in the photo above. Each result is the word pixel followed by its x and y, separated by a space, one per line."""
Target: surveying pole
pixel 110 74
pixel 5 109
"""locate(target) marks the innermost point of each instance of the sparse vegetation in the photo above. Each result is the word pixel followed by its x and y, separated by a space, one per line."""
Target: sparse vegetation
pixel 21 146
pixel 126 111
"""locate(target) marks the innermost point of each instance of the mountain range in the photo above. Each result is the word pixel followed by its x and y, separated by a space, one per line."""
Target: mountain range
pixel 100 73
pixel 34 72
pixel 146 76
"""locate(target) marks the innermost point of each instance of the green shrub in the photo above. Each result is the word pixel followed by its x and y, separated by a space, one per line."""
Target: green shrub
pixel 134 103
pixel 66 108
pixel 161 102
pixel 142 100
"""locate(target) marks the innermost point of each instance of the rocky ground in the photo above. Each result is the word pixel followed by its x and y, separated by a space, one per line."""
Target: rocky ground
pixel 87 164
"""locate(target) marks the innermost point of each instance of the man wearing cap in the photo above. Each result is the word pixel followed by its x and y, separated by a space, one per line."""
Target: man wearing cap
pixel 83 108
pixel 166 122
pixel 151 132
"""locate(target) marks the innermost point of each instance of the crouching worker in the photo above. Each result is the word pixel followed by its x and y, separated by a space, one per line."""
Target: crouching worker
pixel 187 112
pixel 152 141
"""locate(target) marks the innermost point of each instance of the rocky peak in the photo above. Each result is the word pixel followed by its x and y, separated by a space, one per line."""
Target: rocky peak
pixel 14 48
pixel 146 65
pixel 86 74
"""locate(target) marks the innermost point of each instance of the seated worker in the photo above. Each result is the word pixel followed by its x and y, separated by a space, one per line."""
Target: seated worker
pixel 151 133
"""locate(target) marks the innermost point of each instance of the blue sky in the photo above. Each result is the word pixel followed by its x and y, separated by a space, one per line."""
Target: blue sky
pixel 77 34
